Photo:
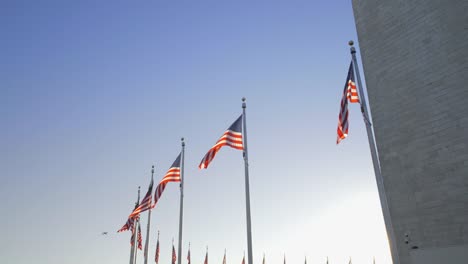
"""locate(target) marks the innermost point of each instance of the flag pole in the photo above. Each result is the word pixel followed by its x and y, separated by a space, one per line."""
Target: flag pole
pixel 375 160
pixel 149 223
pixel 132 250
pixel 181 215
pixel 247 190
pixel 133 247
pixel 136 239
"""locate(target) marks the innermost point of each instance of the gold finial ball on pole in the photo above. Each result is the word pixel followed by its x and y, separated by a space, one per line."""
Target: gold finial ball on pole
pixel 351 43
pixel 182 139
pixel 243 99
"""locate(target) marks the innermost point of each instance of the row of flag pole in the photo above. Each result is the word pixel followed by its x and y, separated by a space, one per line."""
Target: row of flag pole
pixel 224 261
pixel 233 137
pixel 236 137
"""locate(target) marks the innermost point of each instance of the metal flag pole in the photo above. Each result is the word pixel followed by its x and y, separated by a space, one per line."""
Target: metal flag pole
pixel 247 190
pixel 149 223
pixel 181 215
pixel 136 239
pixel 132 248
pixel 375 160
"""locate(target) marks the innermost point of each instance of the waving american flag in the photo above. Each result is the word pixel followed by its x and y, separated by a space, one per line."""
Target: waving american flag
pixel 232 138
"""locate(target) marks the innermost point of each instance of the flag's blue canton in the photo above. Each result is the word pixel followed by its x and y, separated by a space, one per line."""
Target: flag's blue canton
pixel 176 162
pixel 237 125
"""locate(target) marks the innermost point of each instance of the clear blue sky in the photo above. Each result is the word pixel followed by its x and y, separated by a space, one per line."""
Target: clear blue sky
pixel 95 92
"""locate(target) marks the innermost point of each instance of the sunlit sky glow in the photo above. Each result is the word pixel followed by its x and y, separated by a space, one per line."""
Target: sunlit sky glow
pixel 95 92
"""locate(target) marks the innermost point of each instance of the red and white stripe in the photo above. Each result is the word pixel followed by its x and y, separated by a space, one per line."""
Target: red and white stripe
pixel 352 93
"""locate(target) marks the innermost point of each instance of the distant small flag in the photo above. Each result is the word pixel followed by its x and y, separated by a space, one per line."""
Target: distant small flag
pixel 188 255
pixel 232 138
pixel 349 93
pixel 145 204
pixel 174 256
pixel 224 258
pixel 284 261
pixel 156 257
pixel 140 246
pixel 172 175
pixel 206 257
pixel 263 262
pixel 243 259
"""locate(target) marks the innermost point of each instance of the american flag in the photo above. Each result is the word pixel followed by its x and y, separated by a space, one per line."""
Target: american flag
pixel 206 258
pixel 188 255
pixel 139 240
pixel 127 225
pixel 224 258
pixel 172 175
pixel 232 138
pixel 130 221
pixel 145 204
pixel 243 260
pixel 174 256
pixel 349 94
pixel 132 238
pixel 156 258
